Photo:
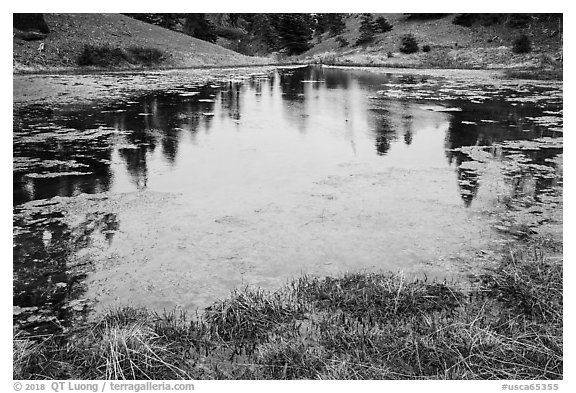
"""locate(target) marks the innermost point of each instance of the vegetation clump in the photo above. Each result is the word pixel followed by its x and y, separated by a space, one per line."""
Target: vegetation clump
pixel 522 44
pixel 105 56
pixel 367 30
pixel 382 25
pixel 518 21
pixel 465 20
pixel 426 48
pixel 409 44
pixel 342 42
pixel 295 33
pixel 332 23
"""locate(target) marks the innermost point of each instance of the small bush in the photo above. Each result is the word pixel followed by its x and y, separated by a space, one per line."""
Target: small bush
pixel 409 44
pixel 490 19
pixel 342 42
pixel 105 56
pixel 30 22
pixel 522 44
pixel 230 33
pixel 382 25
pixel 426 48
pixel 518 21
pixel 142 55
pixel 390 55
pixel 466 20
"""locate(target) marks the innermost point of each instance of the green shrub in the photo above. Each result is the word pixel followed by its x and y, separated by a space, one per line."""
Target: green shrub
pixel 367 30
pixel 230 32
pixel 106 56
pixel 382 25
pixel 522 44
pixel 426 48
pixel 342 42
pixel 465 20
pixel 518 21
pixel 409 44
pixel 142 55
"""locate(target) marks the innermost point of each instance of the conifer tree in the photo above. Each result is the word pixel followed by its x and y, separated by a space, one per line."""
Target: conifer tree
pixel 197 25
pixel 295 32
pixel 336 24
pixel 367 30
pixel 382 25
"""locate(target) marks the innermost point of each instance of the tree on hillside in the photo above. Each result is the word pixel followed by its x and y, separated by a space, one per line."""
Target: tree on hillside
pixel 367 30
pixel 295 32
pixel 409 44
pixel 332 23
pixel 28 22
pixel 262 30
pixel 335 23
pixel 168 21
pixel 382 25
pixel 197 25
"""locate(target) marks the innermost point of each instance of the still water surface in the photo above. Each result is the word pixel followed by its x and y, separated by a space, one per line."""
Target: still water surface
pixel 172 197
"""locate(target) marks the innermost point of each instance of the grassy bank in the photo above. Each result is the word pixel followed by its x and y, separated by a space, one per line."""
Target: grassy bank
pixel 538 66
pixel 504 325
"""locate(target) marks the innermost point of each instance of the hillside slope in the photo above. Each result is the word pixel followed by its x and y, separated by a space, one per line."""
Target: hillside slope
pixel 452 46
pixel 71 32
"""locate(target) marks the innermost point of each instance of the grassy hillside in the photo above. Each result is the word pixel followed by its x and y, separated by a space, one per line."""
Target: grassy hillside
pixel 129 43
pixel 70 33
pixel 452 46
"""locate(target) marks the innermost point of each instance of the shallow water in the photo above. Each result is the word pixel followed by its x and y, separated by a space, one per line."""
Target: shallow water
pixel 172 197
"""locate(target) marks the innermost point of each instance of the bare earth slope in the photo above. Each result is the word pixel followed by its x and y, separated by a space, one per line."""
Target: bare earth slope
pixel 71 32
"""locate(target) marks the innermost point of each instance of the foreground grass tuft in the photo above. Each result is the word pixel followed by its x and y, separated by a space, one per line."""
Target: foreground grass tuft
pixel 506 325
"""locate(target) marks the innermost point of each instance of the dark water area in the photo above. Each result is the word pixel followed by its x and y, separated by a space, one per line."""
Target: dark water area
pixel 201 187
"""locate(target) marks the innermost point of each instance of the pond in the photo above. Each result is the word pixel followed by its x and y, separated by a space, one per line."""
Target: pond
pixel 175 193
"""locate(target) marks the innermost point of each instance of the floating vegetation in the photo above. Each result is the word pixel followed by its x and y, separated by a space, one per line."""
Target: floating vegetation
pixel 535 144
pixel 437 108
pixel 55 174
pixel 63 135
pixel 471 166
